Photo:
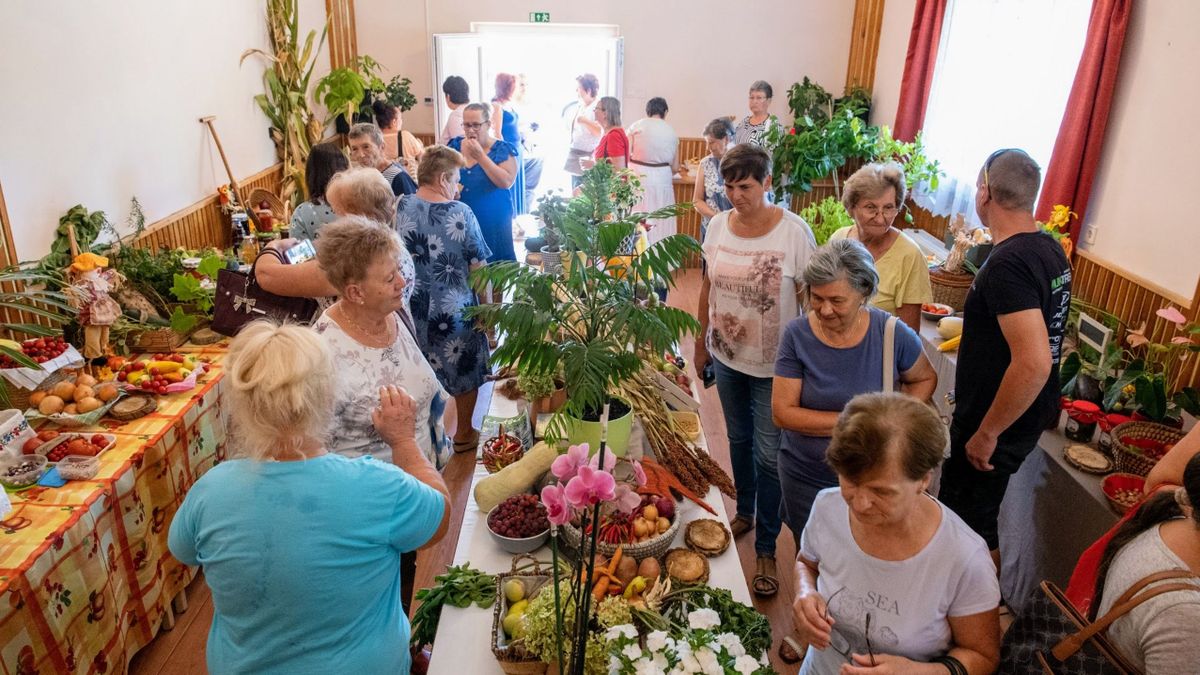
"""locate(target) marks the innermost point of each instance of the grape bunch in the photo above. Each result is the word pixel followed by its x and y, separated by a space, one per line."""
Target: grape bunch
pixel 518 517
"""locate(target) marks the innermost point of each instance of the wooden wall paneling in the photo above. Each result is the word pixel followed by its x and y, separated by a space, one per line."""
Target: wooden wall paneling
pixel 864 44
pixel 343 36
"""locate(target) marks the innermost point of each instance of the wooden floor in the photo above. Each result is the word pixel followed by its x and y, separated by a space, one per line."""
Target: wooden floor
pixel 181 651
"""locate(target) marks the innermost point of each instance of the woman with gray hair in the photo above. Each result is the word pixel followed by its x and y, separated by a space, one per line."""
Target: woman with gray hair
pixel 827 356
pixel 873 196
pixel 614 144
pixel 753 127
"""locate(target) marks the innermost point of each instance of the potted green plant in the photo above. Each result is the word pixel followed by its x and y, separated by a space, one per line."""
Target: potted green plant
pixel 826 217
pixel 588 322
pixel 550 210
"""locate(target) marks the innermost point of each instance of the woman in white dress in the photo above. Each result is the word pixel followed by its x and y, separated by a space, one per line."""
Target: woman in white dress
pixel 654 155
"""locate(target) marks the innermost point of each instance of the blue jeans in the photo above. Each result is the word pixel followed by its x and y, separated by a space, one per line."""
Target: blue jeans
pixel 753 451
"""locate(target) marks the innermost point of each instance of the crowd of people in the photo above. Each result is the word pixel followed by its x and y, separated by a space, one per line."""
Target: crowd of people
pixel 820 373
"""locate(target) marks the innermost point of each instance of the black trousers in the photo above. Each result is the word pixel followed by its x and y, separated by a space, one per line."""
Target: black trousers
pixel 976 495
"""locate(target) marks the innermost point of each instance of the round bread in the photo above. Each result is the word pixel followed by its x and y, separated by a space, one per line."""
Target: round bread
pixel 707 536
pixel 686 566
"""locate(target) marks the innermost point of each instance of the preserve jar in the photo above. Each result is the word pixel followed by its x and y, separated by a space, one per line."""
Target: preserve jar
pixel 1082 418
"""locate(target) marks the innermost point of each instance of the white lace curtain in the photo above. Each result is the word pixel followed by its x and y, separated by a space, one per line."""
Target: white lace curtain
pixel 1004 71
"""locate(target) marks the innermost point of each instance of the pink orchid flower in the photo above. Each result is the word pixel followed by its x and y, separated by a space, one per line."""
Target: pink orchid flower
pixel 590 487
pixel 1173 315
pixel 610 461
pixel 566 465
pixel 554 499
pixel 626 499
pixel 639 474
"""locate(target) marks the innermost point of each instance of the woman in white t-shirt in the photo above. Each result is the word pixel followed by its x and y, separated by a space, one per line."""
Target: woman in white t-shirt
pixel 887 576
pixel 654 155
pixel 754 255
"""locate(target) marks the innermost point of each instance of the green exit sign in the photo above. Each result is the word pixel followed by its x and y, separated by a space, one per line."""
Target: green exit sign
pixel 539 17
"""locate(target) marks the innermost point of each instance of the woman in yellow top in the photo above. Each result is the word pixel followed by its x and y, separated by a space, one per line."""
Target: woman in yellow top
pixel 873 196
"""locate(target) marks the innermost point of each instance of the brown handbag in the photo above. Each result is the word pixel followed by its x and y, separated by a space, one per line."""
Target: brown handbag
pixel 240 300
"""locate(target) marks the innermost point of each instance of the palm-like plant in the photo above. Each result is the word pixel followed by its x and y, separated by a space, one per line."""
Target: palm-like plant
pixel 596 320
pixel 37 300
pixel 294 129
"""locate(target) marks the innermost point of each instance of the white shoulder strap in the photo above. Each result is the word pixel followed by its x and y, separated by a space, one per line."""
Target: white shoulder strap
pixel 889 354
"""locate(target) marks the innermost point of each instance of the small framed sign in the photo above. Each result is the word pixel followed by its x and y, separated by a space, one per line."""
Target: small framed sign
pixel 1093 333
pixel 539 17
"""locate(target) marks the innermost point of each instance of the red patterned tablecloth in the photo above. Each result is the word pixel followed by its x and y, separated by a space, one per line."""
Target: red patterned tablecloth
pixel 85 575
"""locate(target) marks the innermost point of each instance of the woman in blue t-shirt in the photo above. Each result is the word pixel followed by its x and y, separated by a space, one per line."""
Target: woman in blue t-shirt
pixel 300 546
pixel 828 356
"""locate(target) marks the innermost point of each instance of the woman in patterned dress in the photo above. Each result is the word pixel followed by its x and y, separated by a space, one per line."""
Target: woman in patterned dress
pixel 753 127
pixel 709 197
pixel 446 243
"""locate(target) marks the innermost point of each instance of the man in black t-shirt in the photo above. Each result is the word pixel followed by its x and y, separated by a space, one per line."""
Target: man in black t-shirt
pixel 1006 384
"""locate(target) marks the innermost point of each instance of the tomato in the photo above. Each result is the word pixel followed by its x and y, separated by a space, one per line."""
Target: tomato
pixel 122 376
pixel 99 440
pixel 30 447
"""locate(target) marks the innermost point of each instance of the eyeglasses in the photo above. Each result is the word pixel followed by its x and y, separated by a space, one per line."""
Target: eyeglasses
pixel 840 643
pixel 873 211
pixel 473 125
pixel 759 97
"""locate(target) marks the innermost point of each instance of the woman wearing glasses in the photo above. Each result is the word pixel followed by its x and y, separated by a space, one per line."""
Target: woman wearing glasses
pixel 889 580
pixel 753 127
pixel 873 196
pixel 491 169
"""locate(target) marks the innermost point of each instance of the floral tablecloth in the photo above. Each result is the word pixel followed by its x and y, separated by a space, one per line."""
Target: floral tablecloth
pixel 85 575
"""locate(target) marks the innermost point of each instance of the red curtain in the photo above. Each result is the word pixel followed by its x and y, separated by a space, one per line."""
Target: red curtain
pixel 1081 135
pixel 918 68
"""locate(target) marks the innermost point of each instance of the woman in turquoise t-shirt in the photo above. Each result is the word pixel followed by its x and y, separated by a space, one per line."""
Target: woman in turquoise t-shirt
pixel 301 547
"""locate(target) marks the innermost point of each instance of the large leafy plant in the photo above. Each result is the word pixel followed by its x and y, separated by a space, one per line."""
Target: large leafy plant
pixel 826 217
pixel 294 128
pixel 589 321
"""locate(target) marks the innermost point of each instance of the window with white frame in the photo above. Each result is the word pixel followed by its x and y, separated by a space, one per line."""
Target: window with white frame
pixel 1003 73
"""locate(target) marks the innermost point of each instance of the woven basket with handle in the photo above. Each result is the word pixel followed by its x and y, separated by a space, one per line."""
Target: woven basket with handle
pixel 950 288
pixel 511 654
pixel 654 548
pixel 1128 457
pixel 260 195
pixel 18 397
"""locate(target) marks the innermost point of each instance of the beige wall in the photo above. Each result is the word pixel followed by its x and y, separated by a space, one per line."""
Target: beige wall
pixel 1140 211
pixel 701 56
pixel 102 103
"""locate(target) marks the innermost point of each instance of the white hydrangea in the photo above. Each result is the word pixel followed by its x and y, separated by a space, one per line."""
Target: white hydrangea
pixel 644 666
pixel 656 641
pixel 703 619
pixel 732 644
pixel 707 659
pixel 623 630
pixel 745 665
pixel 633 652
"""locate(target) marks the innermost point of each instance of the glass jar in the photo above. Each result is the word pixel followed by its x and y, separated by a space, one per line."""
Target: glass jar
pixel 1082 417
pixel 1107 424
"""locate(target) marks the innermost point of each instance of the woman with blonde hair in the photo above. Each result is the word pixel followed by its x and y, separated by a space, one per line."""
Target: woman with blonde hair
pixel 280 531
pixel 873 197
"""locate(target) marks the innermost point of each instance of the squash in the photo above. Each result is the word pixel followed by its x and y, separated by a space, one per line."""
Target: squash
pixel 950 327
pixel 515 478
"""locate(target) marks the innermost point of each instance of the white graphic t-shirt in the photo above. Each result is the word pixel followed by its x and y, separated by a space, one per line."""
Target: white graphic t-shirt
pixel 752 290
pixel 900 607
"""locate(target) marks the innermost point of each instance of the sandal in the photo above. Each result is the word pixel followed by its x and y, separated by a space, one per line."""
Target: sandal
pixel 741 525
pixel 765 583
pixel 790 651
pixel 468 444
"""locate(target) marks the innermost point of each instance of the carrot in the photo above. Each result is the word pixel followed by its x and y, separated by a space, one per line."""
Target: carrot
pixel 661 482
pixel 606 575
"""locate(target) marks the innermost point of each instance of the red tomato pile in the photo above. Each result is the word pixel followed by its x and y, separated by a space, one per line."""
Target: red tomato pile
pixel 40 350
pixel 77 444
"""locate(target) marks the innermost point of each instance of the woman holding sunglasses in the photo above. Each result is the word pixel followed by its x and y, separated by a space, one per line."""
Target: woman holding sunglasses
pixel 889 580
pixel 873 196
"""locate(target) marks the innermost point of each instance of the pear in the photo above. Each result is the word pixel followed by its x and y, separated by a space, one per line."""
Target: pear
pixel 514 591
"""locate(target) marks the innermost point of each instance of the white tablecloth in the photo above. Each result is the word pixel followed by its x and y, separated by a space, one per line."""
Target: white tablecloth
pixel 462 646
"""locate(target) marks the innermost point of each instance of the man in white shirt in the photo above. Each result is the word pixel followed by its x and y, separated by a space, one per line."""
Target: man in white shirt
pixel 458 94
pixel 585 130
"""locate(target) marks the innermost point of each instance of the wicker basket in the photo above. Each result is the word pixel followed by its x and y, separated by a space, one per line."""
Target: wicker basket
pixel 133 407
pixel 259 195
pixel 653 548
pixel 512 657
pixel 950 289
pixel 158 340
pixel 18 397
pixel 703 559
pixel 1129 458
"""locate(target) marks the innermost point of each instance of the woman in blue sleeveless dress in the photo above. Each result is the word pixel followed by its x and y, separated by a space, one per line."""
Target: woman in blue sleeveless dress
pixel 506 124
pixel 487 180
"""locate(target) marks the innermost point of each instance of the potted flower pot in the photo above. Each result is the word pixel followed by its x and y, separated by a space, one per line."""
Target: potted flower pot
pixel 551 403
pixel 551 261
pixel 620 426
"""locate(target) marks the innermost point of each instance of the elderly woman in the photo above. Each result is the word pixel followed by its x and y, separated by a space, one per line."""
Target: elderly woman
pixel 709 198
pixel 614 144
pixel 753 257
pixel 487 178
pixel 506 124
pixel 299 544
pixel 447 245
pixel 324 161
pixel 360 191
pixel 1158 636
pixel 834 352
pixel 888 579
pixel 873 196
pixel 654 155
pixel 753 127
pixel 370 342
